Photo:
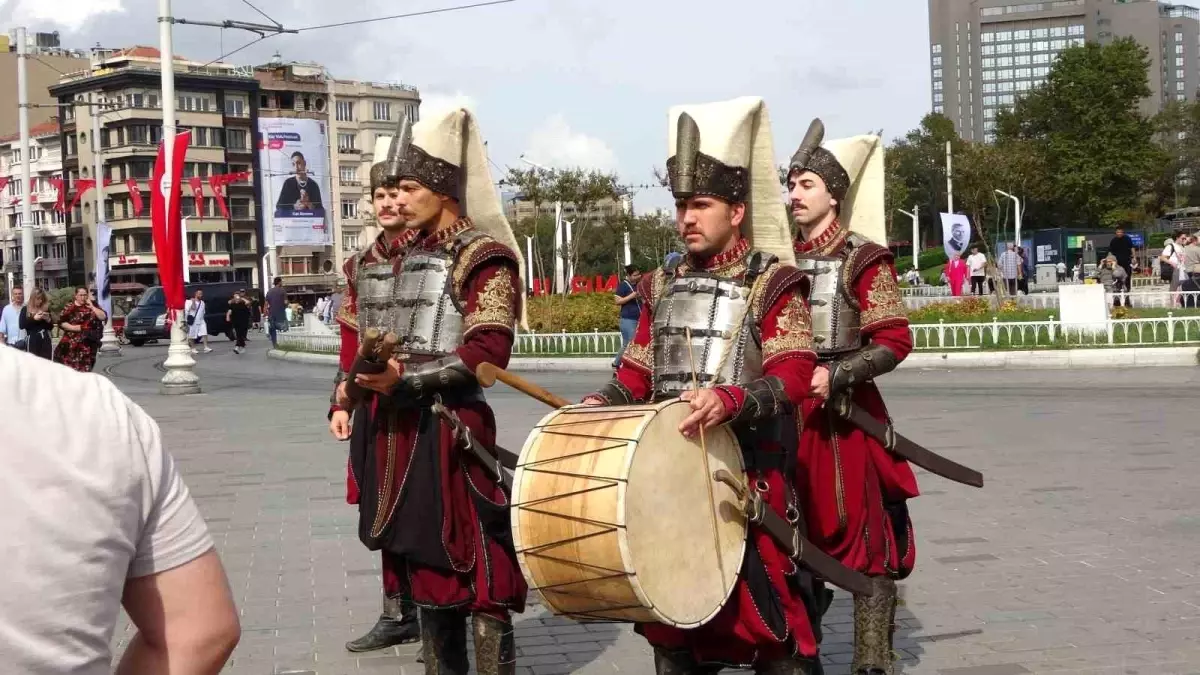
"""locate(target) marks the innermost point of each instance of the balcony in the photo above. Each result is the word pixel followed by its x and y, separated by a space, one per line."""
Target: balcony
pixel 349 151
pixel 349 182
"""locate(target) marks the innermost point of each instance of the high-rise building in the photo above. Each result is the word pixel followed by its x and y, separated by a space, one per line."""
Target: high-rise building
pixel 218 102
pixel 50 235
pixel 985 53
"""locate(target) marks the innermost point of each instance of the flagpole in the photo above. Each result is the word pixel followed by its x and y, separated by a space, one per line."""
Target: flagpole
pixel 180 377
pixel 28 254
pixel 108 344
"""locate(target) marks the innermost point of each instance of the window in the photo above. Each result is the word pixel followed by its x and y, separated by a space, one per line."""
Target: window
pixel 1004 75
pixel 937 49
pixel 1041 72
pixel 1037 33
pixel 937 73
pixel 986 37
pixel 140 169
pixel 345 111
pixel 989 114
pixel 937 60
pixel 987 50
pixel 236 139
pixel 1023 60
pixel 1021 34
pixel 235 107
pixel 58 251
pixel 1004 49
pixel 1180 74
pixel 1021 48
pixel 1007 99
pixel 1060 31
pixel 1024 85
pixel 1076 42
pixel 382 110
pixel 1005 86
pixel 1041 58
pixel 989 75
pixel 1023 73
pixel 350 209
pixel 937 98
pixel 989 88
pixel 938 109
pixel 1180 97
pixel 988 63
pixel 1078 29
pixel 1004 61
pixel 345 142
pixel 1180 86
pixel 1178 61
pixel 1178 36
pixel 296 265
pixel 348 174
pixel 989 100
pixel 1004 36
pixel 350 241
pixel 1178 49
pixel 991 11
pixel 200 136
pixel 1041 46
pixel 937 85
pixel 239 209
pixel 1058 45
pixel 243 242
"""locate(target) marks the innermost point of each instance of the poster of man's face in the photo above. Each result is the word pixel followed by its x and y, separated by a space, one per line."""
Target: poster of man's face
pixel 960 235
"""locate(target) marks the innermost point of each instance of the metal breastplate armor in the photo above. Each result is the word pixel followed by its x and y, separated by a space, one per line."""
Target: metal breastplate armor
pixel 836 322
pixel 426 317
pixel 711 308
pixel 374 294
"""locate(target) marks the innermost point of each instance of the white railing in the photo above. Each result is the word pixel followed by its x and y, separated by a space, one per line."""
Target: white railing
pixel 543 344
pixel 295 340
pixel 944 291
pixel 1168 330
pixel 1162 299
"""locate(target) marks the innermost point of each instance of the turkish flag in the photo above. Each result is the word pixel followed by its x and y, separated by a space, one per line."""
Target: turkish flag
pixel 135 195
pixel 60 202
pixel 107 181
pixel 197 186
pixel 217 183
pixel 164 215
pixel 82 185
pixel 4 182
pixel 32 189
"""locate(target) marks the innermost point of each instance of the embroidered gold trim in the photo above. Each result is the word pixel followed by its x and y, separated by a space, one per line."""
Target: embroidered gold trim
pixel 466 263
pixel 494 306
pixel 794 330
pixel 641 355
pixel 346 317
pixel 883 300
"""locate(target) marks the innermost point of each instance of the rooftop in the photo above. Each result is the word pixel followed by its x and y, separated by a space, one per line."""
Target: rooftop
pixel 36 131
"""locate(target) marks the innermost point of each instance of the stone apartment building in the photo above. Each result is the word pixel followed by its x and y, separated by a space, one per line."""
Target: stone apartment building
pixel 50 235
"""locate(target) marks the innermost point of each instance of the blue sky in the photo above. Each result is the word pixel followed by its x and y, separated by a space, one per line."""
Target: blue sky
pixel 575 82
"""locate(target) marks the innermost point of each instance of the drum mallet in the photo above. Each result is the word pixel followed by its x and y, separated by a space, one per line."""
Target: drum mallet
pixel 487 375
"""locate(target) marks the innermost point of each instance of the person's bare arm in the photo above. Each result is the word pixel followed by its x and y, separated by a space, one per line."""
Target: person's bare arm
pixel 186 620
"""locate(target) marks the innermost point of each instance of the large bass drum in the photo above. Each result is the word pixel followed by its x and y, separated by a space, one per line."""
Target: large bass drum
pixel 613 521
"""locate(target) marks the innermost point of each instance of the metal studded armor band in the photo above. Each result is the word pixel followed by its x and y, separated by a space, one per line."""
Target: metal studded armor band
pixel 447 374
pixel 863 365
pixel 424 313
pixel 375 285
pixel 836 320
pixel 709 309
pixel 765 399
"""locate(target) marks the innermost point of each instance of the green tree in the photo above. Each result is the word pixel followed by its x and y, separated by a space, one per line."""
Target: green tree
pixel 1085 127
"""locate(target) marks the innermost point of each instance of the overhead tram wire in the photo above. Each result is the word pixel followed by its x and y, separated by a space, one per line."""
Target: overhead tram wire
pixel 264 14
pixel 408 15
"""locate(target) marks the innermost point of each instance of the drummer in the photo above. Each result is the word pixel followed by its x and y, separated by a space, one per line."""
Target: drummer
pixel 751 341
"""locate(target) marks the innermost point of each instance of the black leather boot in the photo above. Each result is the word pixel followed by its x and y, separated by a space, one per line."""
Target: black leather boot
pixel 495 646
pixel 790 666
pixel 397 625
pixel 874 625
pixel 444 642
pixel 667 662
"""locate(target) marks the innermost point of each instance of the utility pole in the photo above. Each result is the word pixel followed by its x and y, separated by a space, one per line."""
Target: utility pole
pixel 916 233
pixel 108 344
pixel 28 258
pixel 180 377
pixel 949 181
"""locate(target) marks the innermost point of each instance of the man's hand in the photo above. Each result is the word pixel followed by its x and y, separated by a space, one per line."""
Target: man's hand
pixel 820 383
pixel 341 398
pixel 385 382
pixel 708 410
pixel 339 425
pixel 593 401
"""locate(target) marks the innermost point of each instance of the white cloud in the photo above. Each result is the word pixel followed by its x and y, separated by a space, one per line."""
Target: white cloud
pixel 435 102
pixel 555 144
pixel 69 14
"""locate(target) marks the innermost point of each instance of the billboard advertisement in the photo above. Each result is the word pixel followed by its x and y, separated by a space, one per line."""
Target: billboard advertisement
pixel 294 161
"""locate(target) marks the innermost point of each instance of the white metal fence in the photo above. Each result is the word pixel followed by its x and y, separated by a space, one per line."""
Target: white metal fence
pixel 995 334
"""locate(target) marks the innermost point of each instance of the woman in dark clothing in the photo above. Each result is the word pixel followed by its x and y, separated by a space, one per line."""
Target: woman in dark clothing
pixel 37 323
pixel 82 323
pixel 238 316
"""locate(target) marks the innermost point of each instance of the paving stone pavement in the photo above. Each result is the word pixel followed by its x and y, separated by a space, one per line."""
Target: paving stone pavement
pixel 1081 555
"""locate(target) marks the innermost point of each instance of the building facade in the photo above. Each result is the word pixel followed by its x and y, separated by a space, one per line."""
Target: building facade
pixel 50 235
pixel 219 104
pixel 985 53
pixel 47 60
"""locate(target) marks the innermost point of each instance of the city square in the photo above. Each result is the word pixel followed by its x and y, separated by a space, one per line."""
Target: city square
pixel 1078 556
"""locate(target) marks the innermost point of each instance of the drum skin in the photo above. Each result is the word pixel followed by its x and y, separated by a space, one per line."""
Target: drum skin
pixel 612 519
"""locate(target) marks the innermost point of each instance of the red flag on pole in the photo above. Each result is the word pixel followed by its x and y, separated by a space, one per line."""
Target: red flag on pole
pixel 217 183
pixel 197 194
pixel 82 185
pixel 60 201
pixel 107 181
pixel 33 189
pixel 4 182
pixel 135 196
pixel 165 199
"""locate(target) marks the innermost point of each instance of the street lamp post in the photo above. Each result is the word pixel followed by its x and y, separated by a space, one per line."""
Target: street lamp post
pixel 1017 202
pixel 916 247
pixel 561 283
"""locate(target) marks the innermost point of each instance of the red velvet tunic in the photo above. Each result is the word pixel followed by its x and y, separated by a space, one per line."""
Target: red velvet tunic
pixel 853 489
pixel 483 575
pixel 747 630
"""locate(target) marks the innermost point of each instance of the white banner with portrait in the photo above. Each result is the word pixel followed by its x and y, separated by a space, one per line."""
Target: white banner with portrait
pixel 956 234
pixel 102 251
pixel 295 180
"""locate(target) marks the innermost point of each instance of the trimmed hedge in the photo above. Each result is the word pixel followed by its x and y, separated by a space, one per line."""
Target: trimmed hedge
pixel 579 313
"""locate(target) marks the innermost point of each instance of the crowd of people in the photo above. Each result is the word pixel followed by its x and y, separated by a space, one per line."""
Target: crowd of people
pixel 29 327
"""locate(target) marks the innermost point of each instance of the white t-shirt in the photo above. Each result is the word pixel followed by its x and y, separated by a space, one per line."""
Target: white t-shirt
pixel 976 262
pixel 89 499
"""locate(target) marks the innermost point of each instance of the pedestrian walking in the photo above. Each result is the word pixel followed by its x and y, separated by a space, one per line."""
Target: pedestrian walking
pixel 11 332
pixel 197 327
pixel 238 316
pixel 96 519
pixel 977 266
pixel 37 323
pixel 82 323
pixel 630 308
pixel 277 318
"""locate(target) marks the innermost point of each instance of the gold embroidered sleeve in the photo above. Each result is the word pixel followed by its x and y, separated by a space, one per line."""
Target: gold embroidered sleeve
pixel 790 331
pixel 639 355
pixel 495 304
pixel 883 300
